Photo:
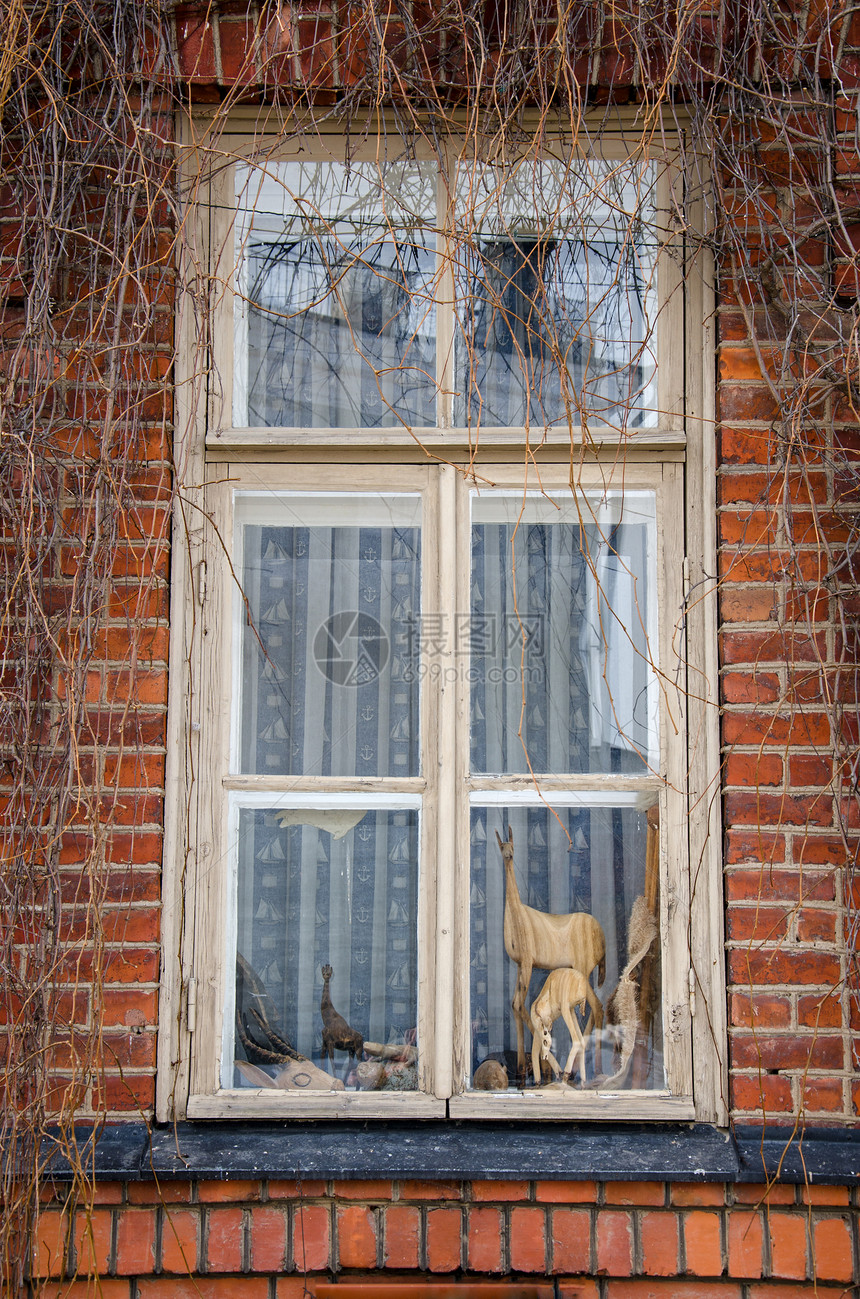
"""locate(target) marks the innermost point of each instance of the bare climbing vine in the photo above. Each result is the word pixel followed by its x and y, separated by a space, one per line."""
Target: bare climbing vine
pixel 92 226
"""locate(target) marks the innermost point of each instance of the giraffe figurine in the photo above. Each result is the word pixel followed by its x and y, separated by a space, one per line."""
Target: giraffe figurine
pixel 543 941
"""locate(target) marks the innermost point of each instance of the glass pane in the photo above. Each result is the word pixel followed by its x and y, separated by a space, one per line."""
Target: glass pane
pixel 327 685
pixel 563 634
pixel 598 860
pixel 335 315
pixel 556 295
pixel 326 943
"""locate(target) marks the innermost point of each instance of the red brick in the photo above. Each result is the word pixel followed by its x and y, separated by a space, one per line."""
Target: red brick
pixel 413 1190
pixel 614 1243
pixel 753 769
pixel 787 1233
pixel 528 1240
pixel 788 886
pixel 379 1190
pixel 659 1236
pixel 748 604
pixel 49 1243
pixel 702 1243
pixel 820 1010
pixel 297 1190
pixel 635 1193
pixel 229 1192
pixel 833 1253
pixel 179 1240
pixel 402 1226
pixel 745 1241
pixel 674 1289
pixel 485 1240
pixel 93 1241
pixel 786 1052
pixel 571 1240
pixel 778 809
pixel 356 1236
pixel 773 967
pixel 268 1238
pixel 769 1094
pixel 159 1192
pixel 762 1196
pixel 205 1287
pixel 816 926
pixel 311 1237
pixel 497 1191
pixel 578 1288
pixel 694 1193
pixel 763 1010
pixel 757 924
pixel 443 1239
pixel 106 1289
pixel 830 1196
pixel 566 1192
pixel 295 1287
pixel 135 1242
pixel 822 1095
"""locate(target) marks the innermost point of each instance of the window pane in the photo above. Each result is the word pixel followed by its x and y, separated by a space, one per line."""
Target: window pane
pixel 556 295
pixel 598 858
pixel 335 318
pixel 331 888
pixel 563 635
pixel 326 681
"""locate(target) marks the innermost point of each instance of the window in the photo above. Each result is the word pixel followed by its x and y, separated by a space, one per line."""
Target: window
pixel 441 804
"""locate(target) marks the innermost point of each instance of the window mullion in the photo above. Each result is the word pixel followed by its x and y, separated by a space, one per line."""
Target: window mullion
pixel 449 956
pixel 444 302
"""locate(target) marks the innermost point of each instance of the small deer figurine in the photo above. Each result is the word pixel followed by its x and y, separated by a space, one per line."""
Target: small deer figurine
pixel 337 1034
pixel 540 940
pixel 561 994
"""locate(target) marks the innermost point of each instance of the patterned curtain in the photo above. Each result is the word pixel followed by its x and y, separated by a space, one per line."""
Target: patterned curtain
pixel 327 690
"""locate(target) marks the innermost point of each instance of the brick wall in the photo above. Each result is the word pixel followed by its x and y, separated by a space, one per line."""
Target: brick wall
pixel 792 1027
pixel 596 1240
pixel 787 487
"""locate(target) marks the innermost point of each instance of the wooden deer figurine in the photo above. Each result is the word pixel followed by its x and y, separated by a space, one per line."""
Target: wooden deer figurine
pixel 562 992
pixel 540 940
pixel 337 1034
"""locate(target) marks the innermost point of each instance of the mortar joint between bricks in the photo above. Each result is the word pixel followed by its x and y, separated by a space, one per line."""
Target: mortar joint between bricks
pixel 158 1237
pixel 246 1238
pixel 114 1241
pixel 592 1235
pixel 422 1238
pixel 638 1253
pixel 203 1246
pixel 506 1239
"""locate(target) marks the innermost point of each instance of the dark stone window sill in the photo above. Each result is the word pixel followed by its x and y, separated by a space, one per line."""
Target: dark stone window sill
pixel 688 1152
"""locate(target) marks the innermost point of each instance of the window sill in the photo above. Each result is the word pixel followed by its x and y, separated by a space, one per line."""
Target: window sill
pixel 450 1150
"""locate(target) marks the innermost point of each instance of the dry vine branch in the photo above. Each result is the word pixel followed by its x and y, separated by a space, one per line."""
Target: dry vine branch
pixel 86 91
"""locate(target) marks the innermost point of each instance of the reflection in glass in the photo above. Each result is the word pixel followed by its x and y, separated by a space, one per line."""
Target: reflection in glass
pixel 599 858
pixel 332 589
pixel 327 906
pixel 335 317
pixel 555 295
pixel 563 641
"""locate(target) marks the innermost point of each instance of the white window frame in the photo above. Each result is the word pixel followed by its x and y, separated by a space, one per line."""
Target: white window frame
pixel 676 459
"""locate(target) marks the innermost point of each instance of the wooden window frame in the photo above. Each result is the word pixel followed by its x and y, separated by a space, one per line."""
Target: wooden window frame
pixel 677 459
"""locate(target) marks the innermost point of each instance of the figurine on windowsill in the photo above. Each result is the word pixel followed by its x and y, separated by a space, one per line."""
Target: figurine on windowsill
pixel 337 1034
